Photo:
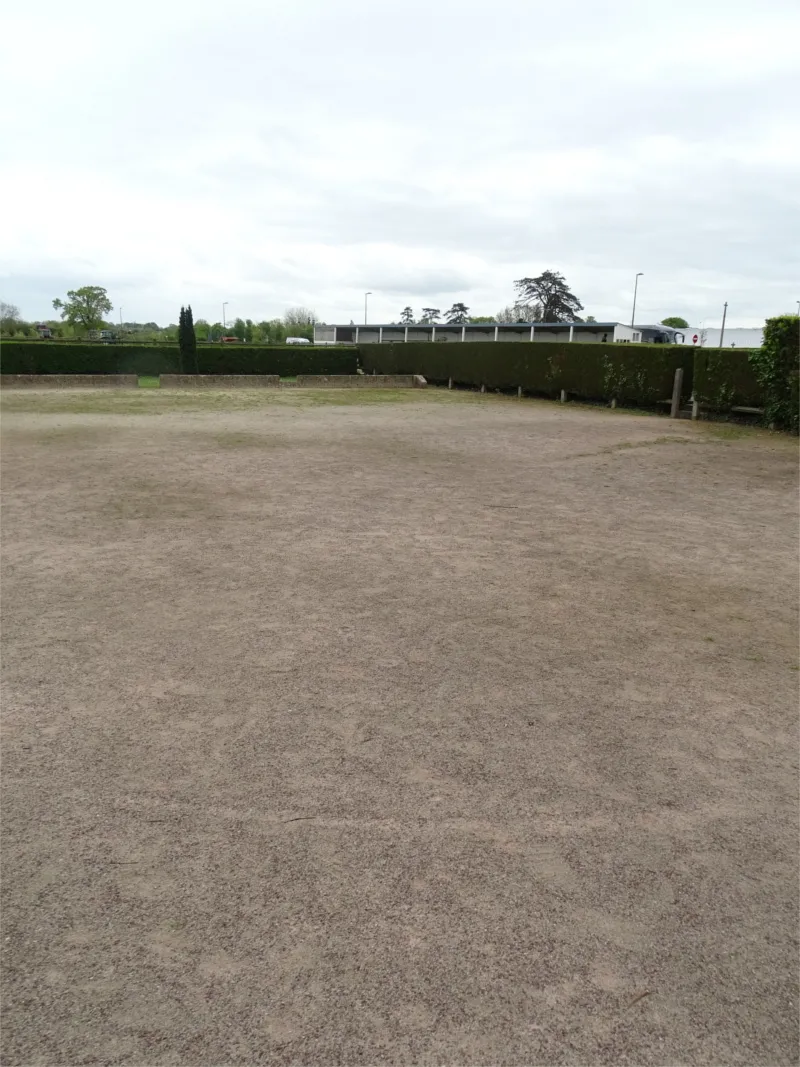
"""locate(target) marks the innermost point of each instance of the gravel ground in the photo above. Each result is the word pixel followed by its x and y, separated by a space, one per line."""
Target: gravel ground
pixel 396 728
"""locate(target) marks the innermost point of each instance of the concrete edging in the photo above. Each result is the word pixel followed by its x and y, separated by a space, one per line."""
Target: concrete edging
pixel 220 381
pixel 213 381
pixel 68 381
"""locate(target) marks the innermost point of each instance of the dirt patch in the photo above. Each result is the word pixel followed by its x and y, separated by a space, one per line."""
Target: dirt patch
pixel 460 729
pixel 361 381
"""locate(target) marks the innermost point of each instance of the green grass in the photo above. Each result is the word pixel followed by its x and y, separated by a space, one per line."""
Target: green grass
pixel 148 382
pixel 732 431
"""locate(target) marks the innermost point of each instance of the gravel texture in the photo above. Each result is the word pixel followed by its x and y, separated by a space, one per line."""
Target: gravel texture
pixel 413 728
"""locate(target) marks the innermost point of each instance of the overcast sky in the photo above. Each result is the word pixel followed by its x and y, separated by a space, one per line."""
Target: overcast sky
pixel 278 152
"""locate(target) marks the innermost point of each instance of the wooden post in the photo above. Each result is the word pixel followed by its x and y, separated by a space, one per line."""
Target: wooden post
pixel 695 406
pixel 675 407
pixel 519 390
pixel 614 403
pixel 563 396
pixel 449 383
pixel 483 388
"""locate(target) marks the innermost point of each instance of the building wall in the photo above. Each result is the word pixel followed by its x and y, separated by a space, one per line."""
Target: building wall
pixel 594 336
pixel 423 334
pixel 453 334
pixel 368 335
pixel 740 336
pixel 626 333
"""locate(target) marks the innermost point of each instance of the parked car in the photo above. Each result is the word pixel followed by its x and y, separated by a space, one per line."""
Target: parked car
pixel 297 341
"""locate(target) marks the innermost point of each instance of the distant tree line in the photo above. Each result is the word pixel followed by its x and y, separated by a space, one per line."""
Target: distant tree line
pixel 85 311
pixel 545 298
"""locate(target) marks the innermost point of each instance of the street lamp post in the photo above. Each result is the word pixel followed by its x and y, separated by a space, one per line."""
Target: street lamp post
pixel 224 323
pixel 120 316
pixel 635 291
pixel 724 317
pixel 365 306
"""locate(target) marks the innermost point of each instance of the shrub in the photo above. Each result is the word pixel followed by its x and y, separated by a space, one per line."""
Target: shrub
pixel 776 365
pixel 43 357
pixel 725 378
pixel 636 374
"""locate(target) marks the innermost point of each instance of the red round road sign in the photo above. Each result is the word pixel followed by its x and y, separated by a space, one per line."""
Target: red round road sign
pixel 695 339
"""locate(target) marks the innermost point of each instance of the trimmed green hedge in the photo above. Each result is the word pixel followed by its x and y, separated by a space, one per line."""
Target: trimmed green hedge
pixel 634 374
pixel 776 365
pixel 725 378
pixel 43 357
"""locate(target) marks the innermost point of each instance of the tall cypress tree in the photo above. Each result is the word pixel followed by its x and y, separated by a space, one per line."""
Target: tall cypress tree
pixel 191 340
pixel 182 338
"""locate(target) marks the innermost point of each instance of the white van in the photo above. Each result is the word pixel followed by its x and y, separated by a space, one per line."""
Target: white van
pixel 297 341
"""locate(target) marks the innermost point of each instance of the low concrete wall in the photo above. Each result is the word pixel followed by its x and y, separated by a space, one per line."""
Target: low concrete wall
pixel 360 381
pixel 220 381
pixel 68 381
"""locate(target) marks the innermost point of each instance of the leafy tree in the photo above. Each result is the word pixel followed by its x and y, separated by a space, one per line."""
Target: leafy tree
pixel 273 331
pixel 239 329
pixel 407 316
pixel 429 316
pixel 482 318
pixel 676 322
pixel 550 291
pixel 590 318
pixel 300 316
pixel 202 329
pixel 249 329
pixel 520 313
pixel 9 317
pixel 84 308
pixel 299 322
pixel 458 314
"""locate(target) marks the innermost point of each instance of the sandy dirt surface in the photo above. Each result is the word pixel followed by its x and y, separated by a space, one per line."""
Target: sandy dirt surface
pixel 403 728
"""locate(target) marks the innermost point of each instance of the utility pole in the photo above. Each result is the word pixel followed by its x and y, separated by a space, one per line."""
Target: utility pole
pixel 224 324
pixel 635 291
pixel 724 316
pixel 365 307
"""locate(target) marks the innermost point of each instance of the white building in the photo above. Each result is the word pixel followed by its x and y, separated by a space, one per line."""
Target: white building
pixel 735 337
pixel 488 331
